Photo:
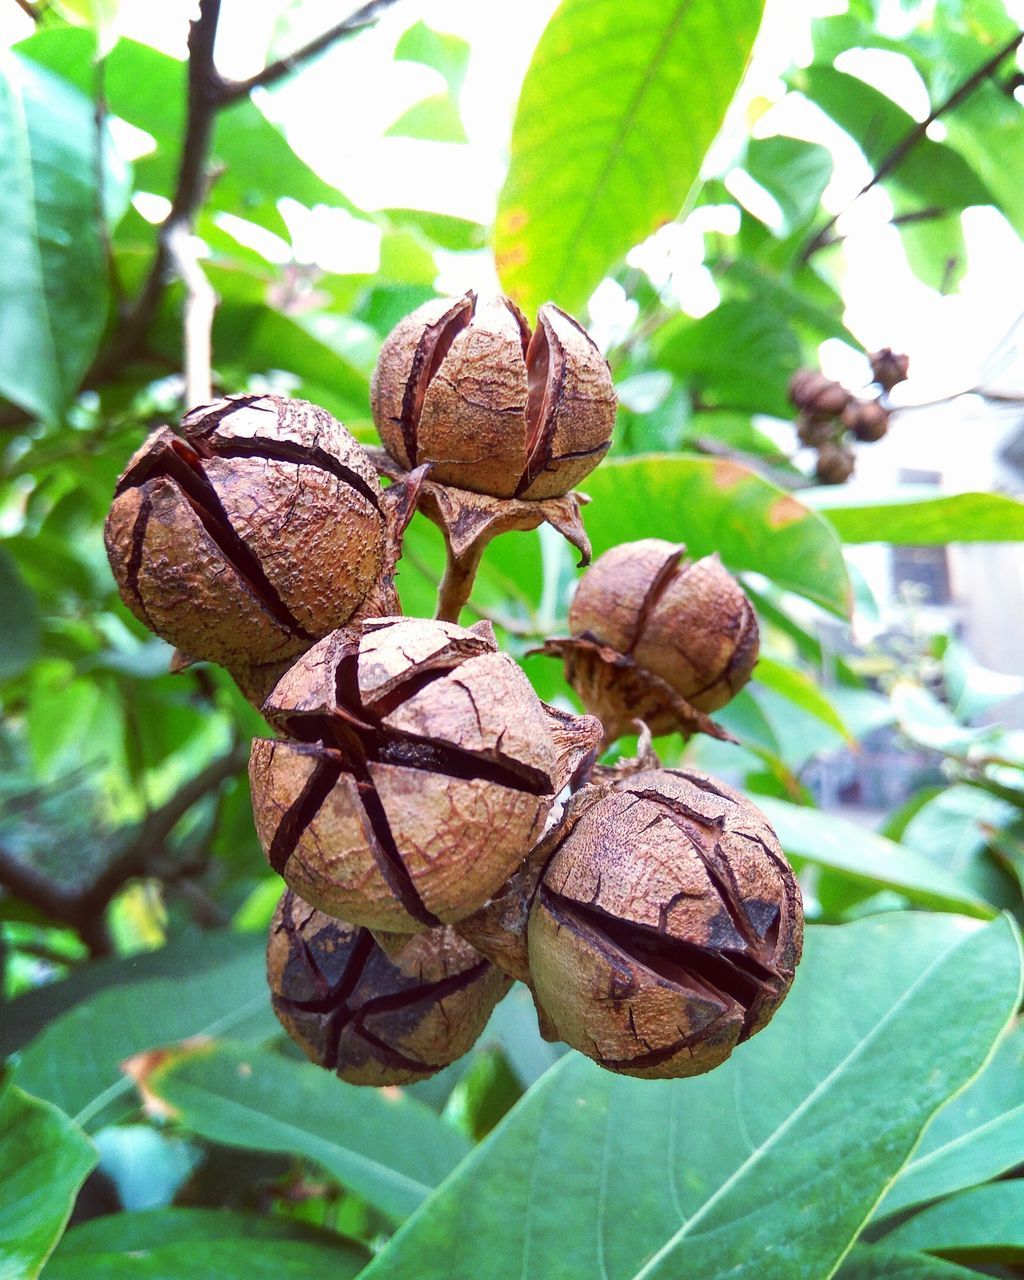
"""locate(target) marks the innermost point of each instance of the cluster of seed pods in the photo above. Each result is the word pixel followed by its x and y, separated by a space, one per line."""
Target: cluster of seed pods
pixel 440 829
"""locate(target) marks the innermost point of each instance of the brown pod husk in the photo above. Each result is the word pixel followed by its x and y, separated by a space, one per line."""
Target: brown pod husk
pixel 376 1016
pixel 492 407
pixel 835 464
pixel 666 927
pixel 257 530
pixel 811 391
pixel 889 367
pixel 421 772
pixel 867 419
pixel 659 638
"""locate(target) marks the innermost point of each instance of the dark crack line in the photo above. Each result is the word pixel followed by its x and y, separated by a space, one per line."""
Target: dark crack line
pixel 434 344
pixel 548 354
pixel 657 588
pixel 138 550
pixel 179 464
pixel 302 811
pixel 299 455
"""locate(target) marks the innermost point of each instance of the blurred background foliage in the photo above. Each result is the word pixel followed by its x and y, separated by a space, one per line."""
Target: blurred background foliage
pixel 704 238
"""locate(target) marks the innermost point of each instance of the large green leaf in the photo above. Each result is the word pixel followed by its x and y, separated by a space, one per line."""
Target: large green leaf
pixel 203 1244
pixel 978 1136
pixel 825 840
pixel 44 1159
pixel 875 1262
pixel 793 172
pixel 718 505
pixel 985 1224
pixel 767 1167
pixel 388 1148
pixel 53 280
pixel 77 1061
pixel 739 356
pixel 922 519
pixel 186 956
pixel 618 108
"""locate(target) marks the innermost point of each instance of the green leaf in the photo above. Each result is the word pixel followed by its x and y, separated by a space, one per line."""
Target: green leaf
pixel 793 172
pixel 718 505
pixel 186 956
pixel 739 356
pixel 203 1244
pixel 19 628
pixel 53 282
pixel 985 1224
pixel 800 689
pixel 435 119
pixel 826 840
pixel 101 15
pixel 44 1159
pixel 875 1262
pixel 977 1136
pixel 89 1083
pixel 446 53
pixel 935 174
pixel 386 1147
pixel 617 111
pixel 921 520
pixel 766 1167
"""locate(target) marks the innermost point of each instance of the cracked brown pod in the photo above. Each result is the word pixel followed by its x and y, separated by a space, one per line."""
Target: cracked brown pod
pixel 835 464
pixel 659 638
pixel 867 419
pixel 811 391
pixel 492 407
pixel 889 367
pixel 420 771
pixel 666 927
pixel 376 1016
pixel 250 535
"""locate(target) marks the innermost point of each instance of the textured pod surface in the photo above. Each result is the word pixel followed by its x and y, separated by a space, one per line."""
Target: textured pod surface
pixel 256 531
pixel 491 406
pixel 420 771
pixel 666 927
pixel 376 1016
pixel 643 610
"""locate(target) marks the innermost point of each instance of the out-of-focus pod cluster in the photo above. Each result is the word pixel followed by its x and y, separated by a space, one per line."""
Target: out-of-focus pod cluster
pixel 830 418
pixel 440 829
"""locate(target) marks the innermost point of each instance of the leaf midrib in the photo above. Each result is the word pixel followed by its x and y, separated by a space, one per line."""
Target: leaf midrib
pixel 626 124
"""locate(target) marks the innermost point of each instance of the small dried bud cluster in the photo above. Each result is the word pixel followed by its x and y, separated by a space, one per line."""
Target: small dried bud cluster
pixel 829 415
pixel 377 1016
pixel 657 637
pixel 441 830
pixel 250 535
pixel 492 407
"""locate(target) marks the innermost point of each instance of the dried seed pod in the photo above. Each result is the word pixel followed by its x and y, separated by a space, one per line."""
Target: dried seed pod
pixel 814 431
pixel 252 534
pixel 421 771
pixel 810 390
pixel 376 1017
pixel 658 638
pixel 867 419
pixel 835 464
pixel 666 927
pixel 491 407
pixel 888 367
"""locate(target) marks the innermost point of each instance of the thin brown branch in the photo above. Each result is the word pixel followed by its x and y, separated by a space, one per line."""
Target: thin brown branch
pixel 912 137
pixel 204 87
pixel 26 7
pixel 233 90
pixel 145 854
